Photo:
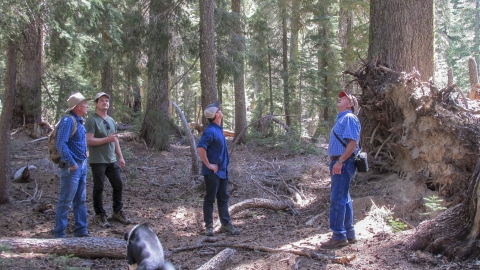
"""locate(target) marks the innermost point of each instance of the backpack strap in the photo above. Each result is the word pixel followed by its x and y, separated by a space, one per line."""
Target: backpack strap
pixel 74 130
pixel 344 145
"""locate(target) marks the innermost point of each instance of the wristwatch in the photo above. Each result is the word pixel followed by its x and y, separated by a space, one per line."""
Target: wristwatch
pixel 340 160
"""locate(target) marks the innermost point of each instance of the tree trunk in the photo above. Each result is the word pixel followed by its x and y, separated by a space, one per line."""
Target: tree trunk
pixel 401 35
pixel 207 55
pixel 455 232
pixel 473 75
pixel 293 68
pixel 239 76
pixel 8 103
pixel 286 93
pixel 193 147
pixel 157 127
pixel 107 84
pixel 86 247
pixel 28 106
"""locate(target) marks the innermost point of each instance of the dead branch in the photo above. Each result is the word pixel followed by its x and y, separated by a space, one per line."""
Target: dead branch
pixel 193 147
pixel 220 261
pixel 86 247
pixel 306 253
pixel 257 203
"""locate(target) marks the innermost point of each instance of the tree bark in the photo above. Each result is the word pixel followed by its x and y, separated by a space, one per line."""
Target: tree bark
pixel 28 106
pixel 207 55
pixel 455 232
pixel 220 261
pixel 239 76
pixel 473 75
pixel 401 35
pixel 157 125
pixel 6 119
pixel 85 247
pixel 286 93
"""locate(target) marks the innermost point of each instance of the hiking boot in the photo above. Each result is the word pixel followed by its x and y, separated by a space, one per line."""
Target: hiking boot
pixel 332 244
pixel 120 216
pixel 352 240
pixel 209 230
pixel 101 219
pixel 229 229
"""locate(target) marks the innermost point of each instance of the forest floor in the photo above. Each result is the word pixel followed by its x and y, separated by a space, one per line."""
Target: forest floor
pixel 160 190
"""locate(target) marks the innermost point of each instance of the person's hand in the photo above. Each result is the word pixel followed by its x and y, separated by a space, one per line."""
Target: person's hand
pixel 112 137
pixel 337 168
pixel 213 167
pixel 73 168
pixel 121 162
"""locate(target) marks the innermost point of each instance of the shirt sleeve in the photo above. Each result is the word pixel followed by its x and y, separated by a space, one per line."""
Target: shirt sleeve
pixel 205 140
pixel 352 128
pixel 90 125
pixel 65 128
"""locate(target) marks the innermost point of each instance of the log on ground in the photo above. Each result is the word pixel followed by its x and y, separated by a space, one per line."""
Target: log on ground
pixel 85 247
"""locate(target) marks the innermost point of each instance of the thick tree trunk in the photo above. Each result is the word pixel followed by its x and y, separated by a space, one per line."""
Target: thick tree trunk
pixel 455 232
pixel 85 247
pixel 401 35
pixel 28 106
pixel 8 103
pixel 239 76
pixel 157 127
pixel 207 55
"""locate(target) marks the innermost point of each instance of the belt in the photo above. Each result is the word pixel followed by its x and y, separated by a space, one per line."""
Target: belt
pixel 332 158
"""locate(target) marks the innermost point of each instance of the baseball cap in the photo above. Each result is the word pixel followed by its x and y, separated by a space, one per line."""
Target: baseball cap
pixel 351 97
pixel 212 109
pixel 74 100
pixel 99 95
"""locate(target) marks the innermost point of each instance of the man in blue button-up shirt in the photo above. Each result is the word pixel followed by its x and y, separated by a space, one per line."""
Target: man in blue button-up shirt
pixel 73 168
pixel 342 171
pixel 212 150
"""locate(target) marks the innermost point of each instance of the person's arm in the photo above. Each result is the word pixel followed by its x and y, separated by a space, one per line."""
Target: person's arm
pixel 202 153
pixel 351 146
pixel 118 151
pixel 92 141
pixel 63 135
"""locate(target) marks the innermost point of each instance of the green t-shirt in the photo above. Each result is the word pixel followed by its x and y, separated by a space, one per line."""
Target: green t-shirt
pixel 104 153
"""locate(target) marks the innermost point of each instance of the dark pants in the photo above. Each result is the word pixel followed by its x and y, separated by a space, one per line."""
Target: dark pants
pixel 216 187
pixel 112 171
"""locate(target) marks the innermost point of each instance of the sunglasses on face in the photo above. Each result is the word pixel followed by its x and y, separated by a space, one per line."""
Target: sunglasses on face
pixel 106 124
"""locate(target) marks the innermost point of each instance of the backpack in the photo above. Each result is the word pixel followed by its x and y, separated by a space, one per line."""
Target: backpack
pixel 54 155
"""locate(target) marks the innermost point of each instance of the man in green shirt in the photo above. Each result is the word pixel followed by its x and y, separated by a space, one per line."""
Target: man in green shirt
pixel 104 149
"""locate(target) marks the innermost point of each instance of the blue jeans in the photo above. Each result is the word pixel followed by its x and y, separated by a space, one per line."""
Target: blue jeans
pixel 112 171
pixel 216 187
pixel 72 191
pixel 341 211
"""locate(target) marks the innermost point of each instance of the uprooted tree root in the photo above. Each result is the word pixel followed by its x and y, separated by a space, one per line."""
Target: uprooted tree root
pixel 431 136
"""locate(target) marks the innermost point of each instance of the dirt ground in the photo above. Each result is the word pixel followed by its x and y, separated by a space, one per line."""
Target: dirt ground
pixel 160 190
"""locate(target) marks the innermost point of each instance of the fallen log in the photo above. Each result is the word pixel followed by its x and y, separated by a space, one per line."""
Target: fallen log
pixel 220 261
pixel 257 203
pixel 85 247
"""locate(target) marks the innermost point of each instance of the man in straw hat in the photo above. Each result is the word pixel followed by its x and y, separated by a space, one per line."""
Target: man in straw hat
pixel 105 159
pixel 343 144
pixel 73 168
pixel 212 150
